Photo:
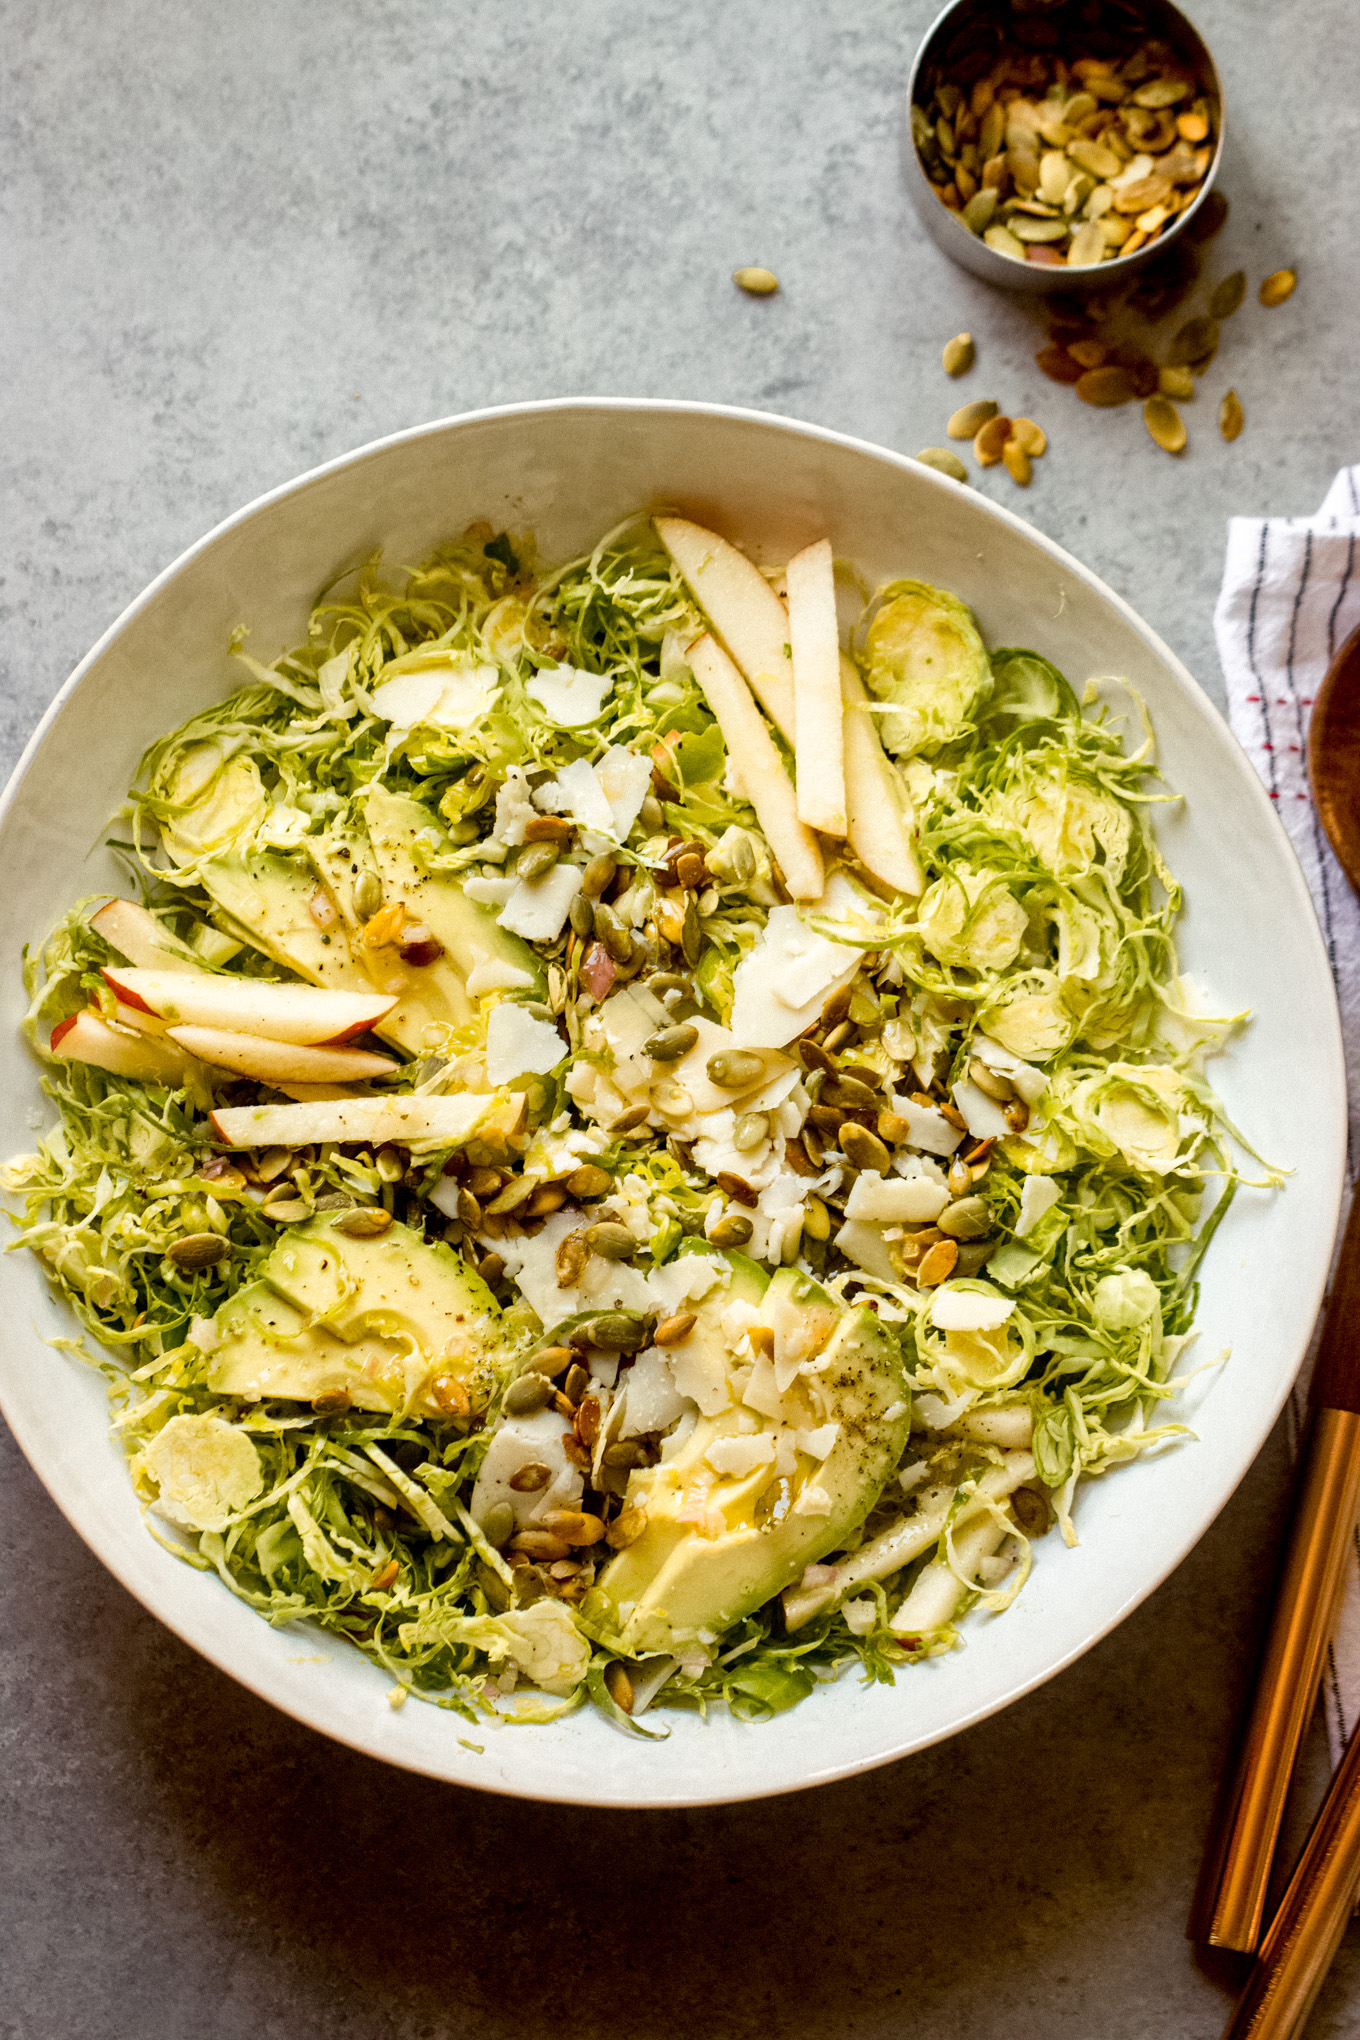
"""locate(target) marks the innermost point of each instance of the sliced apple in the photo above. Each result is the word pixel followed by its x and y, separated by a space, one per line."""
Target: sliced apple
pixel 403 1120
pixel 279 1062
pixel 815 640
pixel 87 1038
pixel 743 609
pixel 766 784
pixel 242 1005
pixel 142 939
pixel 881 818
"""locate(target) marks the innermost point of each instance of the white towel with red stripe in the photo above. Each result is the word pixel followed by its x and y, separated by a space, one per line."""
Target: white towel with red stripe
pixel 1290 599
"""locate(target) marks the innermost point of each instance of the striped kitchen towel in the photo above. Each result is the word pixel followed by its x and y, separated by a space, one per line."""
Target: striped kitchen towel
pixel 1290 599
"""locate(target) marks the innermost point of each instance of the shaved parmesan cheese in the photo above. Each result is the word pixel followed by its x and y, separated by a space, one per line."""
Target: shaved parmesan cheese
pixel 1030 1083
pixel 524 1441
pixel 514 807
pixel 927 1127
pixel 538 908
pixel 494 974
pixel 740 1456
pixel 577 792
pixel 781 985
pixel 813 1501
pixel 518 1045
pixel 569 697
pixel 1038 1195
pixel 984 1117
pixel 968 1310
pixel 892 1201
pixel 817 1444
pixel 626 778
pixel 653 1400
pixel 449 694
pixel 866 1247
pixel 762 1392
pixel 488 891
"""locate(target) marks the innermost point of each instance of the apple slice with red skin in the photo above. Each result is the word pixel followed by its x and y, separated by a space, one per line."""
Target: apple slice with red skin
pixel 258 1006
pixel 140 937
pixel 87 1038
pixel 279 1062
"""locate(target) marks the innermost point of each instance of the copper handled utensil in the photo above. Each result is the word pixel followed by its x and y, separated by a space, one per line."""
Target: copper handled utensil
pixel 1303 1937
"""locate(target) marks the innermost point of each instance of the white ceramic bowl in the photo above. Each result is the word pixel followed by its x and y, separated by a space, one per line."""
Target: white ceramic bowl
pixel 568 471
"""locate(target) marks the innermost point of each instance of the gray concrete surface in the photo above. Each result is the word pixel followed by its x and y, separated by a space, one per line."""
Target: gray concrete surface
pixel 244 238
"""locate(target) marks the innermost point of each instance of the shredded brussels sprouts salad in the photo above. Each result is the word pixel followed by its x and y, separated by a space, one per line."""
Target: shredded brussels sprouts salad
pixel 627 1150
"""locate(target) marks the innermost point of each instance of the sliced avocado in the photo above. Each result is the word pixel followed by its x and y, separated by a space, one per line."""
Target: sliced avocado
pixel 384 1318
pixel 718 1545
pixel 468 932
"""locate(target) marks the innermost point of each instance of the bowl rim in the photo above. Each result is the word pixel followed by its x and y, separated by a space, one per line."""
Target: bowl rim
pixel 971 252
pixel 1331 1165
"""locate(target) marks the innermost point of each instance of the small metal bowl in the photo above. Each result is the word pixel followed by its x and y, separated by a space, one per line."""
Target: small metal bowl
pixel 947 230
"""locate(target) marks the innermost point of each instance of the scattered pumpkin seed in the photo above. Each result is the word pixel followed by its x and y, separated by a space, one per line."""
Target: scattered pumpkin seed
pixel 1003 240
pixel 598 874
pixel 989 441
pixel 588 1181
pixel 1165 424
pixel 368 895
pixel 610 1240
pixel 735 1069
pixel 969 1219
pixel 1175 382
pixel 1107 385
pixel 552 1360
pixel 959 354
pixel 937 1265
pixel 366 1222
pixel 1278 286
pixel 862 1149
pixel 198 1250
pixel 944 462
pixel 581 915
pixel 671 1043
pixel 1017 462
pixel 1228 295
pixel 1088 246
pixel 1230 415
pixel 968 422
pixel 625 1529
pixel 816 1219
pixel 530 1478
pixel 1029 435
pixel 615 1331
pixel 1194 344
pixel 529 1393
pixel 498 1524
pixel 755 281
pixel 750 1130
pixel 732 1231
pixel 673 1331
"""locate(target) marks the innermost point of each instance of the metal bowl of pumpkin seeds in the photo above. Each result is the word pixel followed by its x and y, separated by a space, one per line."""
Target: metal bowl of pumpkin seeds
pixel 1051 144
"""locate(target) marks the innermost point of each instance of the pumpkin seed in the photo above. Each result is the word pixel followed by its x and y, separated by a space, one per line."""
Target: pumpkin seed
pixel 498 1524
pixel 610 1240
pixel 1031 1509
pixel 816 1219
pixel 1095 157
pixel 1228 295
pixel 1088 246
pixel 615 1331
pixel 1028 229
pixel 1142 194
pixel 671 1043
pixel 598 874
pixel 732 1231
pixel 368 895
pixel 529 1393
pixel 959 354
pixel 1107 385
pixel 893 1128
pixel 535 860
pixel 1175 382
pixel 1004 242
pixel 735 1069
pixel 673 1331
pixel 198 1250
pixel 944 462
pixel 977 216
pixel 588 1181
pixel 1165 423
pixel 864 1150
pixel 736 1187
pixel 750 1130
pixel 626 1529
pixel 551 1360
pixel 968 422
pixel 1029 435
pixel 1159 92
pixel 570 1259
pixel 1230 415
pixel 969 1219
pixel 332 1402
pixel 1194 344
pixel 1278 286
pixel 755 281
pixel 629 1121
pixel 691 933
pixel 1058 365
pixel 937 1265
pixel 990 440
pixel 367 1222
pixel 530 1478
pixel 581 915
pixel 1017 462
pixel 672 1100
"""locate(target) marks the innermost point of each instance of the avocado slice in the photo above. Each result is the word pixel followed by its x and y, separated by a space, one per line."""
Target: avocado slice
pixel 385 1318
pixel 721 1540
pixel 267 896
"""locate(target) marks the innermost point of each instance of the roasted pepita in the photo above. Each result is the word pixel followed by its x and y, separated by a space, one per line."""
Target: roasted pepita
pixel 1228 295
pixel 959 353
pixel 1278 286
pixel 1230 415
pixel 968 422
pixel 944 462
pixel 755 281
pixel 1165 424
